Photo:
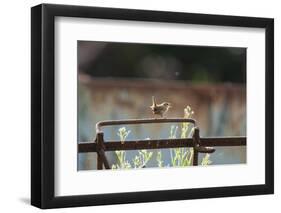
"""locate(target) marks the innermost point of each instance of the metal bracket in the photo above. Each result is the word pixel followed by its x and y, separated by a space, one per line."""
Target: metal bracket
pixel 197 148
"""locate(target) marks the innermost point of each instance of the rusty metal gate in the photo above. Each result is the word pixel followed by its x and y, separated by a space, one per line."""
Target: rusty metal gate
pixel 199 145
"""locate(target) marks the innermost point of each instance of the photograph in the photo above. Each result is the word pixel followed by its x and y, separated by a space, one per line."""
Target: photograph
pixel 140 105
pixel 141 88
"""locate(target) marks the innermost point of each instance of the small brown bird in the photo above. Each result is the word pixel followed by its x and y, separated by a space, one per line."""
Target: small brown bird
pixel 160 109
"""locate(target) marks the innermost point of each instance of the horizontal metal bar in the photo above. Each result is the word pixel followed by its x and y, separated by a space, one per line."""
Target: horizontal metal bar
pixel 224 141
pixel 161 144
pixel 143 121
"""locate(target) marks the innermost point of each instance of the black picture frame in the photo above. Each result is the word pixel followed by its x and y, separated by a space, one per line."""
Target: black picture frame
pixel 43 105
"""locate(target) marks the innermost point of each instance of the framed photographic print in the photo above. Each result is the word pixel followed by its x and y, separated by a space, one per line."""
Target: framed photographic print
pixel 140 106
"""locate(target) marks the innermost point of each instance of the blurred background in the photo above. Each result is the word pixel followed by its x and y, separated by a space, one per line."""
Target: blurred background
pixel 117 81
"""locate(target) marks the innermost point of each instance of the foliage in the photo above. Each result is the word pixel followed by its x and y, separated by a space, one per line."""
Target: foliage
pixel 182 156
pixel 159 159
pixel 139 161
pixel 123 134
pixel 179 156
pixel 121 155
pixel 206 160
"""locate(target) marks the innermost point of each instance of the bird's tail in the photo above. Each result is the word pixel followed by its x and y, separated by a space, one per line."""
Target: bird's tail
pixel 153 101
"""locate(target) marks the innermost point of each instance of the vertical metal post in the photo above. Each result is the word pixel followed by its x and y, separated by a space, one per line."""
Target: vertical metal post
pixel 99 140
pixel 196 140
pixel 101 153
